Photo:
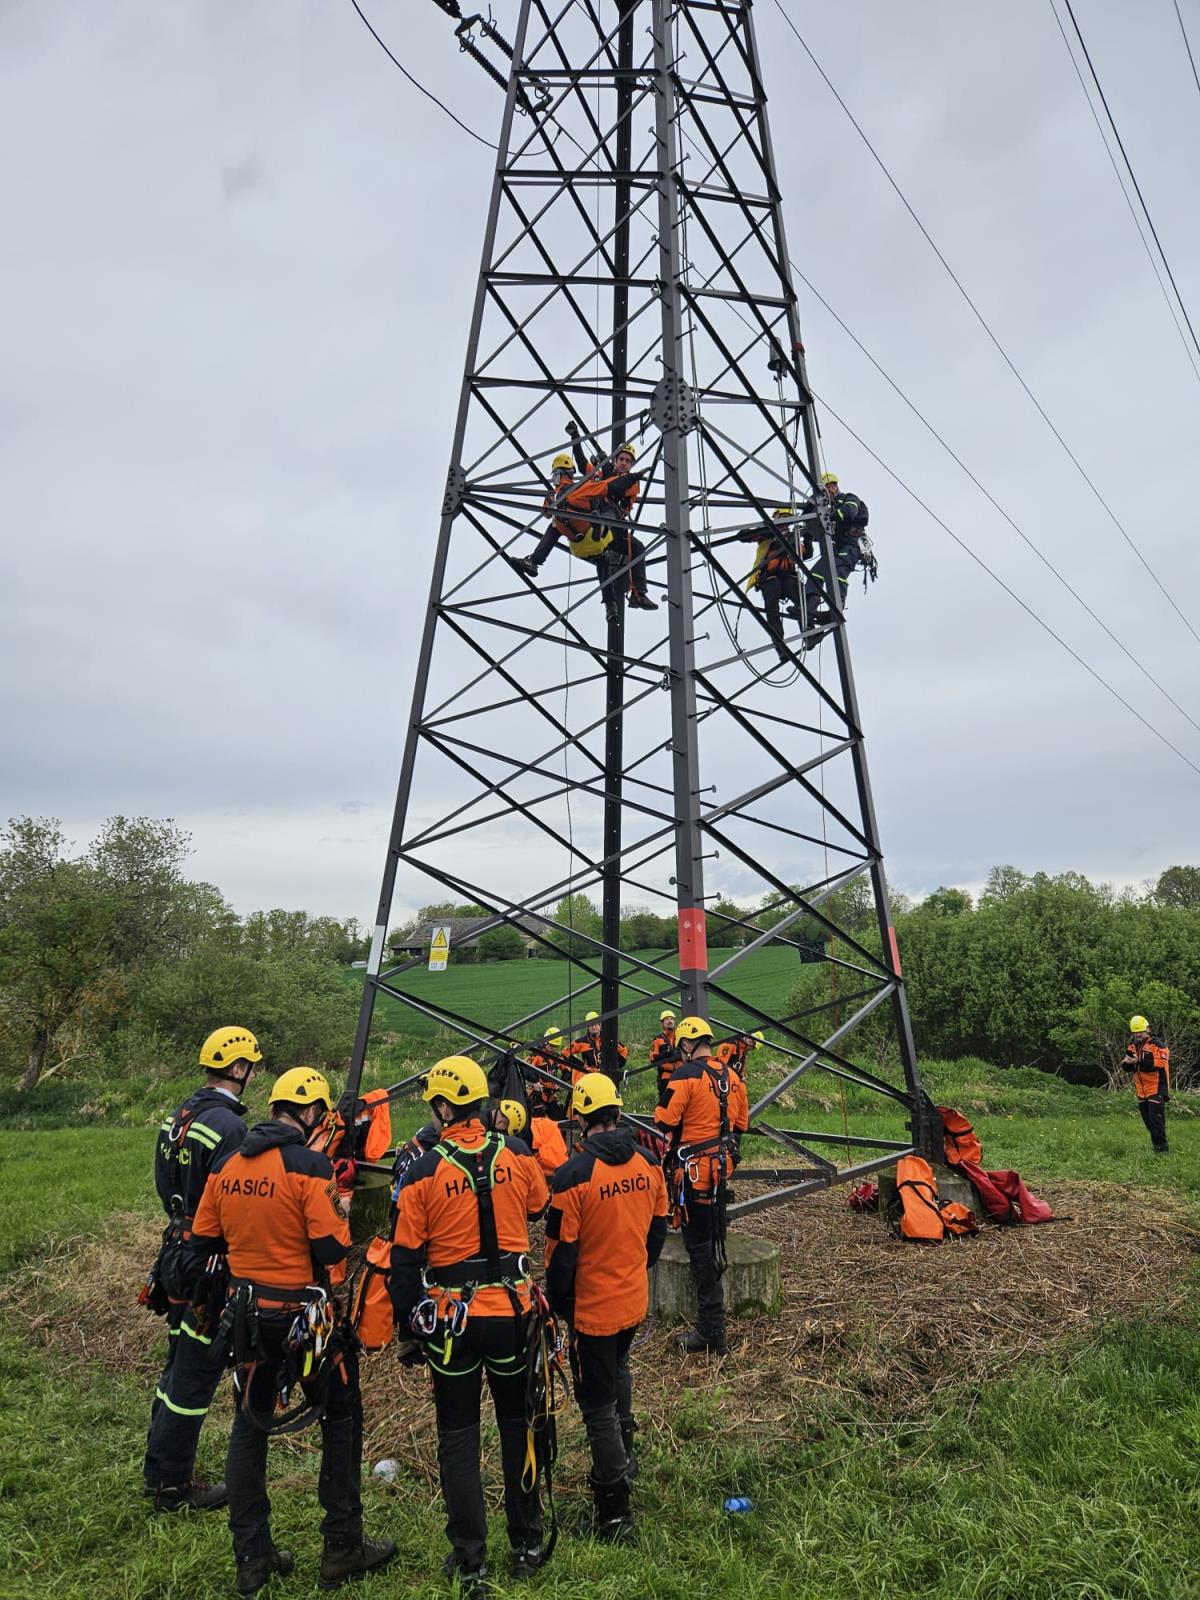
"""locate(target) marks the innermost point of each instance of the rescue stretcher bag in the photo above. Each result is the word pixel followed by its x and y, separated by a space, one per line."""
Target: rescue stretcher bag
pixel 923 1216
pixel 961 1140
pixel 371 1313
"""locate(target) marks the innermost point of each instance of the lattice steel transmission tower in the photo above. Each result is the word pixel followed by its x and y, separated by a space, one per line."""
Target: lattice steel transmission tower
pixel 636 284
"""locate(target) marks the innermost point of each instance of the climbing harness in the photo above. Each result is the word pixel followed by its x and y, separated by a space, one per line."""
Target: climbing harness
pixel 166 1281
pixel 442 1315
pixel 713 1157
pixel 312 1351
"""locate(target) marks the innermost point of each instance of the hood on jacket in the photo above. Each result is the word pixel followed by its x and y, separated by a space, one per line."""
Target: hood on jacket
pixel 264 1136
pixel 613 1146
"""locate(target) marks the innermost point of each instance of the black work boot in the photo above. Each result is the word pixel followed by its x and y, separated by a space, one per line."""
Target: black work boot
pixel 628 1429
pixel 614 1521
pixel 525 565
pixel 470 1582
pixel 199 1495
pixel 256 1571
pixel 642 602
pixel 696 1343
pixel 342 1561
pixel 524 1563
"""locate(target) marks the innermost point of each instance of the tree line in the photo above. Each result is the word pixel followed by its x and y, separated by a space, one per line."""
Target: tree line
pixel 111 955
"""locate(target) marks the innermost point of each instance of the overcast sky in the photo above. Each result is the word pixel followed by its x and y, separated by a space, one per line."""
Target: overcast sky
pixel 239 255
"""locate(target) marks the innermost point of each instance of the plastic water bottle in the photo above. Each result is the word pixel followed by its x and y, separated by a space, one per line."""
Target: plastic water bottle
pixel 387 1470
pixel 738 1503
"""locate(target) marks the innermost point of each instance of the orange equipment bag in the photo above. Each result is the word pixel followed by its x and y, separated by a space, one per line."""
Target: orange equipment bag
pixel 371 1312
pixel 923 1216
pixel 376 1116
pixel 962 1142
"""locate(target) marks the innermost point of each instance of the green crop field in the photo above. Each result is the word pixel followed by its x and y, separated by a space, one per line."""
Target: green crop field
pixel 1071 1472
pixel 505 991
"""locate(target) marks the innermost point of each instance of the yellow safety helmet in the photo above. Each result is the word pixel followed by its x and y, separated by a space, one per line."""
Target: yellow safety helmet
pixel 513 1113
pixel 592 1016
pixel 663 1015
pixel 625 449
pixel 783 513
pixel 694 1028
pixel 757 1036
pixel 562 463
pixel 593 1092
pixel 457 1079
pixel 302 1086
pixel 829 477
pixel 1138 1025
pixel 227 1045
pixel 553 1037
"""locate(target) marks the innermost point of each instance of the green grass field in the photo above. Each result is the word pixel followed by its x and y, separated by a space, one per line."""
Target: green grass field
pixel 1076 1477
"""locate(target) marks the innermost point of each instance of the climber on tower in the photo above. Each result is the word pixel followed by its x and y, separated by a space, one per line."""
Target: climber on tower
pixel 594 515
pixel 851 548
pixel 775 574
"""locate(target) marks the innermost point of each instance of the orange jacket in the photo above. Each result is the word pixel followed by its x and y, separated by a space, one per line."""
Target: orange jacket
pixel 272 1206
pixel 701 1089
pixel 607 1224
pixel 586 1054
pixel 545 1135
pixel 733 1053
pixel 1150 1064
pixel 608 500
pixel 664 1056
pixel 437 1218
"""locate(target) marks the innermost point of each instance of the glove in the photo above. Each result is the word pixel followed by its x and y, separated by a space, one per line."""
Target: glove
pixel 344 1170
pixel 410 1353
pixel 572 429
pixel 624 483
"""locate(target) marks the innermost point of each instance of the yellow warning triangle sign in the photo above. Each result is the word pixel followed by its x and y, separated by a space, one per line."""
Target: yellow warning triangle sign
pixel 439 940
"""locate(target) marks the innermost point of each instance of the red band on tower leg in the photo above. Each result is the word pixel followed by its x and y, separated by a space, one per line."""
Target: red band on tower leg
pixel 693 940
pixel 895 951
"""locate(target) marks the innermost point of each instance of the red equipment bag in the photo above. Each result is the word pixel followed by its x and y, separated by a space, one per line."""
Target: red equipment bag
pixel 1005 1197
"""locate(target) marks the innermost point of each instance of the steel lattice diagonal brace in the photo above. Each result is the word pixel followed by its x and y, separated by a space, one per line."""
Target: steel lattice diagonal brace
pixel 591 713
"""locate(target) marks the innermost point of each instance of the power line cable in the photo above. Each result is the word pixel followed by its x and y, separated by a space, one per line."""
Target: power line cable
pixel 981 319
pixel 955 457
pixel 429 95
pixel 1187 43
pixel 992 501
pixel 1137 221
pixel 1012 593
pixel 1128 165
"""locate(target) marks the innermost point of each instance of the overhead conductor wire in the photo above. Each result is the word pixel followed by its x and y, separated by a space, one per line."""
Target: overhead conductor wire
pixel 985 325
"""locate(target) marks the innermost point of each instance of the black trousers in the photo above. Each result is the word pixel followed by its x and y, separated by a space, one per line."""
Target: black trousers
pixel 699 1240
pixel 194 1368
pixel 845 559
pixel 625 549
pixel 1154 1115
pixel 776 587
pixel 495 1345
pixel 339 1483
pixel 604 1390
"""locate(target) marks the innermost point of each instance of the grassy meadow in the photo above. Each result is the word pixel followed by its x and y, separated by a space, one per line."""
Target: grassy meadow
pixel 1067 1469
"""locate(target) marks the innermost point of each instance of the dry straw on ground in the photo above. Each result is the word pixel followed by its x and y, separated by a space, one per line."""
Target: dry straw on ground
pixel 866 1317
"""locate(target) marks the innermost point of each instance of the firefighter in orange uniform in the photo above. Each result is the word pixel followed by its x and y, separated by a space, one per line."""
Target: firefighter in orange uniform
pixel 540 1133
pixel 664 1055
pixel 547 1063
pixel 587 1054
pixel 272 1209
pixel 606 1228
pixel 460 1286
pixel 1148 1058
pixel 706 1115
pixel 733 1052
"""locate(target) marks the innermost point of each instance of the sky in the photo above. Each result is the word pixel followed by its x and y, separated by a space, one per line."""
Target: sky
pixel 240 253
